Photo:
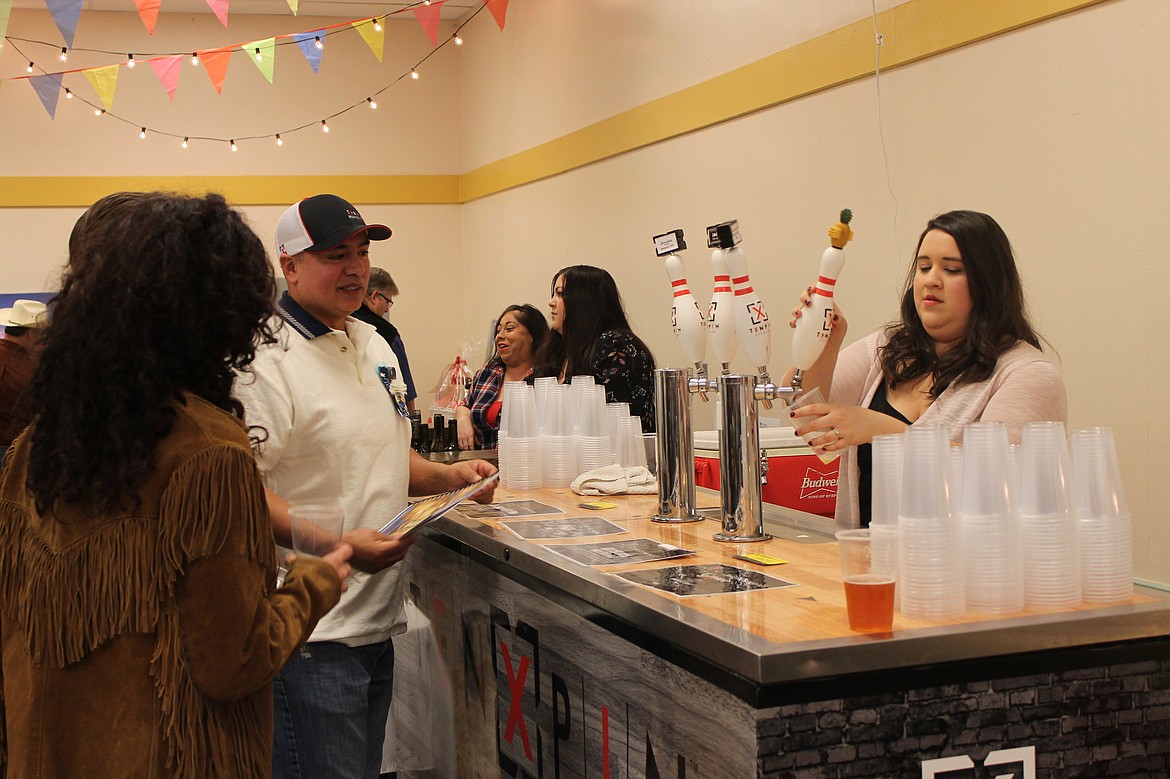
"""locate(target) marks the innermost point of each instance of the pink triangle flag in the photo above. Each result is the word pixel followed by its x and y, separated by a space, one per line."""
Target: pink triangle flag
pixel 48 89
pixel 221 10
pixel 148 11
pixel 167 69
pixel 499 9
pixel 428 17
pixel 215 62
pixel 104 81
pixel 65 15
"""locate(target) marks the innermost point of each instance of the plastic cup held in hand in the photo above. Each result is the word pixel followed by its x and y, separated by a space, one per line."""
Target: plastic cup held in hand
pixel 316 527
pixel 810 397
pixel 869 580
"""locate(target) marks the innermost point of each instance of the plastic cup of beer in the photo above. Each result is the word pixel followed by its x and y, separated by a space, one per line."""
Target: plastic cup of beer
pixel 869 580
pixel 316 527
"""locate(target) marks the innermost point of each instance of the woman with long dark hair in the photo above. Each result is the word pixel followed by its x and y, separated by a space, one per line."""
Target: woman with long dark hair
pixel 518 330
pixel 590 335
pixel 962 351
pixel 138 600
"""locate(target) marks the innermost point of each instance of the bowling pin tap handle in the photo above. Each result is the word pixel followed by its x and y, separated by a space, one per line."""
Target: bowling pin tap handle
pixel 669 243
pixel 724 235
pixel 839 234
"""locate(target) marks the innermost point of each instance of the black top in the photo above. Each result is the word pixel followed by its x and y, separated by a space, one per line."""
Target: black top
pixel 865 455
pixel 390 333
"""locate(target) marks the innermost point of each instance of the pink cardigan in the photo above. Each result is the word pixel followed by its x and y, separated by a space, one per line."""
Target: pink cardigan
pixel 1025 387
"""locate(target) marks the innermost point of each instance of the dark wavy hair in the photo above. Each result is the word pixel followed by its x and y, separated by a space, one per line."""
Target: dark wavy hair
pixel 533 321
pixel 592 306
pixel 998 320
pixel 163 294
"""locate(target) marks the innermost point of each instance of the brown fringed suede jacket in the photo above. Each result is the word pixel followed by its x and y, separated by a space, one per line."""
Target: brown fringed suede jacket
pixel 143 645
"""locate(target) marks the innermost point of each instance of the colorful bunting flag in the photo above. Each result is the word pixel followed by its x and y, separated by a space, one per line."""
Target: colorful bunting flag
pixel 374 37
pixel 215 62
pixel 65 15
pixel 499 9
pixel 221 10
pixel 105 81
pixel 428 17
pixel 263 55
pixel 307 43
pixel 292 4
pixel 5 7
pixel 48 88
pixel 168 69
pixel 148 11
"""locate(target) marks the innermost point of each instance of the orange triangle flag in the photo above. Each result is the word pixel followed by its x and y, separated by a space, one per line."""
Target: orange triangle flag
pixel 148 10
pixel 428 17
pixel 215 62
pixel 499 9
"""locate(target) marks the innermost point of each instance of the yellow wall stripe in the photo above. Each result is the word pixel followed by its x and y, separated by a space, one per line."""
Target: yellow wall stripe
pixel 912 31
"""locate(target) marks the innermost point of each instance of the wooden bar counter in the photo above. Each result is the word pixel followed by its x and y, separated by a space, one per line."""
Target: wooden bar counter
pixel 554 668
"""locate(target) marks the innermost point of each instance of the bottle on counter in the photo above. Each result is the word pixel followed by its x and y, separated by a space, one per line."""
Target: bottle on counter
pixel 452 435
pixel 424 439
pixel 439 437
pixel 415 432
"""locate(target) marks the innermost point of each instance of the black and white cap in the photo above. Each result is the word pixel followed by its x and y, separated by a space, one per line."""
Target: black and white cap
pixel 321 222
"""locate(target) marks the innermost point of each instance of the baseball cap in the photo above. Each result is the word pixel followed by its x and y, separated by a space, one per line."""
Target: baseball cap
pixel 318 223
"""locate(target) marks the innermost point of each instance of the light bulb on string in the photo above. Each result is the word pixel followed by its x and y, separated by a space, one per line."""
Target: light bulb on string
pixel 279 142
pixel 184 143
pixel 259 56
pixel 370 100
pixel 64 55
pixel 194 59
pixel 98 111
pixel 324 126
pixel 68 94
pixel 320 44
pixel 232 143
pixel 377 26
pixel 142 133
pixel 30 67
pixel 130 60
pixel 458 39
pixel 414 74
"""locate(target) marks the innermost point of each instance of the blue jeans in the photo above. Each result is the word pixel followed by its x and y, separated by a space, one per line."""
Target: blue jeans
pixel 331 703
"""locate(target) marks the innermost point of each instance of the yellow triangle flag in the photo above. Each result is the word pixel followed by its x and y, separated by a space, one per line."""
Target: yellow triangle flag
pixel 263 55
pixel 292 4
pixel 374 38
pixel 105 81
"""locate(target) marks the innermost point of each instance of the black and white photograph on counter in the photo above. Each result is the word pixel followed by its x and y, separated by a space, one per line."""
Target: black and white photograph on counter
pixel 717 579
pixel 564 527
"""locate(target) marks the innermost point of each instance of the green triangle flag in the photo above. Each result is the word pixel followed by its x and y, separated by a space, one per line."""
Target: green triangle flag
pixel 374 37
pixel 105 81
pixel 5 7
pixel 263 55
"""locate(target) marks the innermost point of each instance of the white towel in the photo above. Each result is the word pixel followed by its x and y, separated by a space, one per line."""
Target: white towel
pixel 616 480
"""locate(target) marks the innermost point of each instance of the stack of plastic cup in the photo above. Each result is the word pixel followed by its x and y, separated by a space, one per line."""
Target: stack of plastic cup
pixel 992 559
pixel 520 463
pixel 593 442
pixel 1104 524
pixel 1048 528
pixel 558 444
pixel 631 451
pixel 616 412
pixel 930 568
pixel 581 387
pixel 540 389
pixel 887 496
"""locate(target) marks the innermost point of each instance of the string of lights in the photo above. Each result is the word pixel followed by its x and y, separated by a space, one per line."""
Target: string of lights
pixel 278 137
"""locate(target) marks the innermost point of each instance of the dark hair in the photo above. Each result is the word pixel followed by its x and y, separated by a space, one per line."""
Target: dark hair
pixel 163 294
pixel 16 331
pixel 998 316
pixel 532 320
pixel 592 306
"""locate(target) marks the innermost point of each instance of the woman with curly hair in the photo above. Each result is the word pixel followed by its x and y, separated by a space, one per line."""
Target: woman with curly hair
pixel 590 335
pixel 963 351
pixel 139 614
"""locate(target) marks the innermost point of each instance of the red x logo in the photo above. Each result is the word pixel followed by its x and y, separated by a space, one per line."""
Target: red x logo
pixel 516 687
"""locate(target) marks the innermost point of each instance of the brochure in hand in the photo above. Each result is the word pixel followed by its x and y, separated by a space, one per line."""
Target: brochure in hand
pixel 426 510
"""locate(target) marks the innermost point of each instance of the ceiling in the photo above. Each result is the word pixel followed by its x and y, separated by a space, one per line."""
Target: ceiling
pixel 349 9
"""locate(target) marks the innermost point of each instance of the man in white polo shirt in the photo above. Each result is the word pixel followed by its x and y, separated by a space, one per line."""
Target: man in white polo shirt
pixel 325 397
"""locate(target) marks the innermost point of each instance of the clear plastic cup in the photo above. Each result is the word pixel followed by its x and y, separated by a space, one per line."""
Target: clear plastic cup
pixel 869 576
pixel 887 480
pixel 809 398
pixel 316 527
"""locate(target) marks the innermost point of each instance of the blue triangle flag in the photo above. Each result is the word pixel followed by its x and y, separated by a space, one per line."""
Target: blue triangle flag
pixel 48 89
pixel 307 41
pixel 65 14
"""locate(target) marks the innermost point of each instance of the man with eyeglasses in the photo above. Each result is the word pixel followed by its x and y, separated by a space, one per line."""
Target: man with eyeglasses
pixel 380 293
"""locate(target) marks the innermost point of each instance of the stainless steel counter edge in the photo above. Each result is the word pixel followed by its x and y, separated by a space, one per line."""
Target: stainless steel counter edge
pixel 765 662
